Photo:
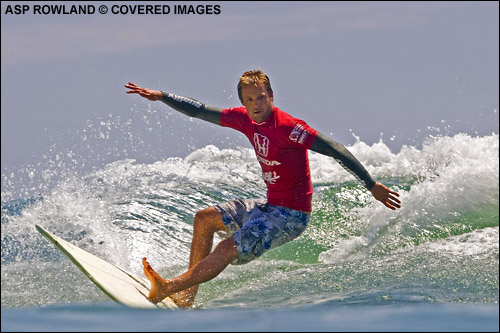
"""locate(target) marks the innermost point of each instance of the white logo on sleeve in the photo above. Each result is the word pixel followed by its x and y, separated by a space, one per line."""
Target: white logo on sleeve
pixel 188 100
pixel 298 134
pixel 261 144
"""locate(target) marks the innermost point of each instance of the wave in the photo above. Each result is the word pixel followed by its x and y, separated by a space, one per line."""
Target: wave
pixel 128 210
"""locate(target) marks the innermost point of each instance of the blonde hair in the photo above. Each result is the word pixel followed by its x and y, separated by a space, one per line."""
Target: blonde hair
pixel 254 77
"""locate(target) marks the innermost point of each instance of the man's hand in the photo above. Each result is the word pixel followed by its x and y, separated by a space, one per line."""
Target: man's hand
pixel 383 194
pixel 152 95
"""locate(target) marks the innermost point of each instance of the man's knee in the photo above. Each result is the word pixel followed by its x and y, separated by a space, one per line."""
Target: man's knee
pixel 208 219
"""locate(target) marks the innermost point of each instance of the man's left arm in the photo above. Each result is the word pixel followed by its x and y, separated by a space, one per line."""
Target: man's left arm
pixel 326 146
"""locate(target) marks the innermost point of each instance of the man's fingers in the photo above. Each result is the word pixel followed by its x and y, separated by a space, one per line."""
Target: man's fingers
pixel 390 206
pixel 140 91
pixel 395 203
pixel 133 87
pixel 395 199
pixel 386 196
pixel 391 202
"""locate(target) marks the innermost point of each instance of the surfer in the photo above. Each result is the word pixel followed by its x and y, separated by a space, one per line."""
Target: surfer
pixel 253 226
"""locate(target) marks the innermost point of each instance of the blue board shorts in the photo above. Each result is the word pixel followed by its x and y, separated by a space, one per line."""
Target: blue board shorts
pixel 257 226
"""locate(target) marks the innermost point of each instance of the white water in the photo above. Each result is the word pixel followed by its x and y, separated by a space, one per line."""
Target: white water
pixel 128 210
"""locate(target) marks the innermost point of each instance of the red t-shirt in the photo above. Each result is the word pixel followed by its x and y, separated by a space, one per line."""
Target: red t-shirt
pixel 281 143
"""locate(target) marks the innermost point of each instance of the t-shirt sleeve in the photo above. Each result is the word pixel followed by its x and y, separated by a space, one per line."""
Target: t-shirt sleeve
pixel 234 118
pixel 299 134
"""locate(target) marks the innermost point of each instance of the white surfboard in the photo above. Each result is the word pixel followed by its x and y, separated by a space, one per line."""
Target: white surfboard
pixel 121 286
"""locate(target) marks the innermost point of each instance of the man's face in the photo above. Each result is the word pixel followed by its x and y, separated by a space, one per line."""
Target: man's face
pixel 257 101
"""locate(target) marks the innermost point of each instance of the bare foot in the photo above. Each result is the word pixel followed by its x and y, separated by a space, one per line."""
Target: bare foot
pixel 158 284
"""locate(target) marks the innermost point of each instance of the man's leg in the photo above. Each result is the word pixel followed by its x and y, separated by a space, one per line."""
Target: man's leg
pixel 205 270
pixel 206 222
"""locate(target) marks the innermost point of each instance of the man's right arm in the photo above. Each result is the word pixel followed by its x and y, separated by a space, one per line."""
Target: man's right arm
pixel 192 107
pixel 185 105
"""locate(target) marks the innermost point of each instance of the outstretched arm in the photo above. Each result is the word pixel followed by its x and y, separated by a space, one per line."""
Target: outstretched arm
pixel 185 105
pixel 324 145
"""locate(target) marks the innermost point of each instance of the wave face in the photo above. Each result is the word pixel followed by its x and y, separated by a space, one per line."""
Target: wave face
pixel 442 245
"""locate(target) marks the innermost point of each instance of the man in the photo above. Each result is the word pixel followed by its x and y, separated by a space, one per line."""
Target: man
pixel 254 226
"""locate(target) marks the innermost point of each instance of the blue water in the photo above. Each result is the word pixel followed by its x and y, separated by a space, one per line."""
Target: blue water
pixel 432 265
pixel 111 317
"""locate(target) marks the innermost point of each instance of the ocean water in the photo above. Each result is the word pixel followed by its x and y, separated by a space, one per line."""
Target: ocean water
pixel 433 265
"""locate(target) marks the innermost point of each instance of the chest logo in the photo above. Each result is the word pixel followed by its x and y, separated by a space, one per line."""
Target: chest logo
pixel 261 144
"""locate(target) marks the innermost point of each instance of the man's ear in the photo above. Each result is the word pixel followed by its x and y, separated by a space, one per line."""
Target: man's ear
pixel 271 94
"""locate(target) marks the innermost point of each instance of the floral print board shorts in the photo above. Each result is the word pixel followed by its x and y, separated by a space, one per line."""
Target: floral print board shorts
pixel 257 226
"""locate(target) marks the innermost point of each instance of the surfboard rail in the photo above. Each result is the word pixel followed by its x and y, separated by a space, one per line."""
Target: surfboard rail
pixel 120 285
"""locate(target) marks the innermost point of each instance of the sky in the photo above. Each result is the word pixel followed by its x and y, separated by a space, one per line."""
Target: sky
pixel 390 71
